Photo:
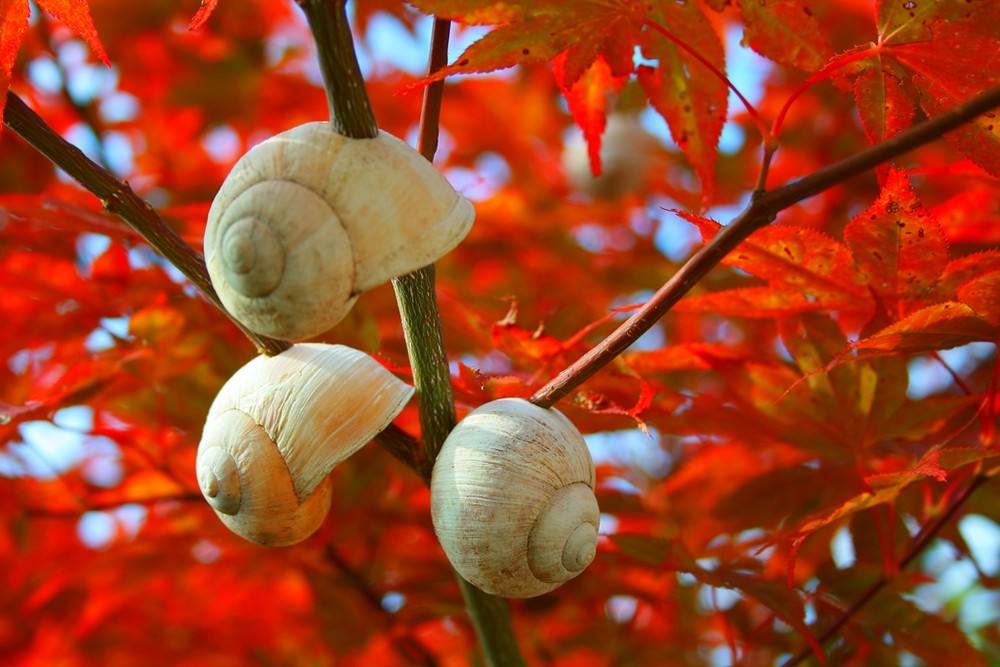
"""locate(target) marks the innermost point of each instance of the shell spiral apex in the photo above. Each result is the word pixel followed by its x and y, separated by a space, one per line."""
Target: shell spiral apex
pixel 309 219
pixel 279 426
pixel 512 499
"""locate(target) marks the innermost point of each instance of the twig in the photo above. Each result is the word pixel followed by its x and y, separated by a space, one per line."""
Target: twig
pixel 761 211
pixel 409 646
pixel 920 542
pixel 119 198
pixel 402 445
pixel 418 312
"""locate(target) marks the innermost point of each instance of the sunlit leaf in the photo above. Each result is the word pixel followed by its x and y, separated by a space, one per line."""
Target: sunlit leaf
pixel 691 98
pixel 983 295
pixel 937 327
pixel 786 31
pixel 204 11
pixel 898 246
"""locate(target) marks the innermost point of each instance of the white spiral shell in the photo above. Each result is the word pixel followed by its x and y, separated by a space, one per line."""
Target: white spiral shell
pixel 309 219
pixel 512 499
pixel 279 426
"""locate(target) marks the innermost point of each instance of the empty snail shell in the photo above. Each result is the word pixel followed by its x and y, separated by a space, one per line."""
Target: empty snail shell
pixel 512 499
pixel 279 426
pixel 309 219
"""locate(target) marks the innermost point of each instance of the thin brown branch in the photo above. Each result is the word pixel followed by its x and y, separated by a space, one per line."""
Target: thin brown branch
pixel 761 211
pixel 410 647
pixel 430 111
pixel 416 293
pixel 119 198
pixel 402 445
pixel 917 547
pixel 904 142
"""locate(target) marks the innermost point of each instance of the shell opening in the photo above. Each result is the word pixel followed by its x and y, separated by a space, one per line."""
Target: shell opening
pixel 253 255
pixel 563 541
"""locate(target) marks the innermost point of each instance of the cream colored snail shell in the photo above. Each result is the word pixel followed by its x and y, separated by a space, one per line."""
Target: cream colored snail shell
pixel 512 499
pixel 278 427
pixel 309 219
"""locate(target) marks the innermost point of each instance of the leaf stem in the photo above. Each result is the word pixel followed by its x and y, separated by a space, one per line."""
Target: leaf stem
pixel 763 208
pixel 119 198
pixel 824 73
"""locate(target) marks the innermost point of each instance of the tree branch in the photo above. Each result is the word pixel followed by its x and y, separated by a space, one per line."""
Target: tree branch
pixel 418 312
pixel 761 211
pixel 410 647
pixel 352 115
pixel 119 198
pixel 350 109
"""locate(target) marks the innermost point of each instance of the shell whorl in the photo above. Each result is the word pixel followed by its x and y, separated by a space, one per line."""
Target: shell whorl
pixel 244 478
pixel 512 499
pixel 563 539
pixel 277 252
pixel 279 426
pixel 309 219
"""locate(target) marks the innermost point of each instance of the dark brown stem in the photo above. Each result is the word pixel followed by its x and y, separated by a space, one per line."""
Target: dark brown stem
pixel 409 647
pixel 761 211
pixel 350 109
pixel 119 198
pixel 904 142
pixel 919 544
pixel 402 445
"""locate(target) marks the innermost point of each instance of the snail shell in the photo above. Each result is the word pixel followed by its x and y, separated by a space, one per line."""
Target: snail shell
pixel 279 426
pixel 309 219
pixel 512 499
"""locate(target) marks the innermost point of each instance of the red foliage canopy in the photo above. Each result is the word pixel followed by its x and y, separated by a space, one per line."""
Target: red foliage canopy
pixel 792 462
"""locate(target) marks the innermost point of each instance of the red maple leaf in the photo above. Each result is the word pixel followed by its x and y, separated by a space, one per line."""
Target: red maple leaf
pixel 592 45
pixel 898 246
pixel 14 23
pixel 936 54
